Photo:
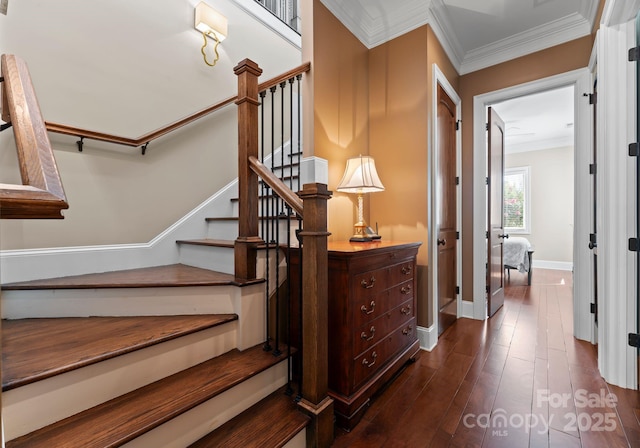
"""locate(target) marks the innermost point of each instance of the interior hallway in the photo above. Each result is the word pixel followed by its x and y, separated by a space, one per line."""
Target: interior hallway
pixel 519 379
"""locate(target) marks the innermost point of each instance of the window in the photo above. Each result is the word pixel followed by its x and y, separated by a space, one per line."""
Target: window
pixel 517 216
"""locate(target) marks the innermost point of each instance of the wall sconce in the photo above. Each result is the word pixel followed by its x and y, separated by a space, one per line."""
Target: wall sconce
pixel 361 177
pixel 211 24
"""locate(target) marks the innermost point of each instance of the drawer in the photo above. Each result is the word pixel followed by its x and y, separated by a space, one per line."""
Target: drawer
pixel 369 308
pixel 400 294
pixel 370 333
pixel 369 362
pixel 370 283
pixel 401 272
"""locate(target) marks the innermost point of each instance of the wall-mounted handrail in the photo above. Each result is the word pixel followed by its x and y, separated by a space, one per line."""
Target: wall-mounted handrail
pixel 153 135
pixel 41 196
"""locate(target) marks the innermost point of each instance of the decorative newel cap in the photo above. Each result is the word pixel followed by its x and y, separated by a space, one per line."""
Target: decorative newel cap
pixel 247 65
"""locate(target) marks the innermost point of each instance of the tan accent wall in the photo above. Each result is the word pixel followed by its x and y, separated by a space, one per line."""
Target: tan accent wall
pixel 552 61
pixel 377 102
pixel 401 98
pixel 341 110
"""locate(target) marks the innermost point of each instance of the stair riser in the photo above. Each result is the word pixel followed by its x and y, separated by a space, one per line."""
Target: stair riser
pixel 194 424
pixel 208 257
pixel 36 405
pixel 228 230
pixel 299 441
pixel 223 230
pixel 119 302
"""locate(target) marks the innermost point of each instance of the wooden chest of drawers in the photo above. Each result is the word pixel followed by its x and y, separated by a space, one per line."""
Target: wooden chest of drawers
pixel 372 320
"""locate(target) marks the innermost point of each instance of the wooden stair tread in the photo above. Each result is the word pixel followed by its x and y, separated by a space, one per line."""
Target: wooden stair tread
pixel 156 276
pixel 35 349
pixel 272 422
pixel 260 218
pixel 124 418
pixel 219 243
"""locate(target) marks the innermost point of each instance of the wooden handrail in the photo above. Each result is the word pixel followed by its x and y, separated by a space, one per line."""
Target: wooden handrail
pixel 150 136
pixel 41 195
pixel 279 187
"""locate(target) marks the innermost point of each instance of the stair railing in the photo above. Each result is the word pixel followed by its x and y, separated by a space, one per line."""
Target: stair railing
pixel 41 194
pixel 310 204
pixel 285 10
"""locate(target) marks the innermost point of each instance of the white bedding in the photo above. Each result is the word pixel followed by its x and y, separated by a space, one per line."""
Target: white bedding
pixel 516 253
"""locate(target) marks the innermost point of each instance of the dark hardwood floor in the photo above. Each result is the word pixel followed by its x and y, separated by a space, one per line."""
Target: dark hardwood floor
pixel 519 379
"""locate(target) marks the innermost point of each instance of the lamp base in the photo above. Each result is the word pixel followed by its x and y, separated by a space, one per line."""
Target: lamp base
pixel 360 239
pixel 363 233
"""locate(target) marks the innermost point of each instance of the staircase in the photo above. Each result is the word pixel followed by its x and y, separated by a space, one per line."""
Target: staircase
pixel 151 357
pixel 173 356
pixel 164 356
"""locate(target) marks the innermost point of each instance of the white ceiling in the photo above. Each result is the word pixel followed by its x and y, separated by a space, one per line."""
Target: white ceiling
pixel 540 121
pixel 480 33
pixel 474 33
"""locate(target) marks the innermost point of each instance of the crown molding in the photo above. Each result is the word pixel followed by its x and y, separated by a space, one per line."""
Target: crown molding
pixel 397 22
pixel 389 24
pixel 440 23
pixel 553 33
pixel 619 11
pixel 353 16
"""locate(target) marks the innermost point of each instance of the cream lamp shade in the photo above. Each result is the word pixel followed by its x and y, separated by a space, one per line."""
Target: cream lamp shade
pixel 361 177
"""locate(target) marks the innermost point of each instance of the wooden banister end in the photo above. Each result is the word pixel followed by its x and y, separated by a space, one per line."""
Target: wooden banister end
pixel 247 65
pixel 316 189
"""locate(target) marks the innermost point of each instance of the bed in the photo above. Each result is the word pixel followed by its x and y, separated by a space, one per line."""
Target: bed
pixel 518 253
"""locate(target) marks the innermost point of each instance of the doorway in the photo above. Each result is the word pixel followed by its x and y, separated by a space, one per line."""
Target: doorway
pixel 539 184
pixel 581 81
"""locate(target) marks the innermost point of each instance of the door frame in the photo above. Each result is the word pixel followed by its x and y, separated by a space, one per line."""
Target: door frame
pixel 440 79
pixel 581 80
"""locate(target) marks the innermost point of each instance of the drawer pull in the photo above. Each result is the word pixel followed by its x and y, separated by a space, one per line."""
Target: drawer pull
pixel 407 330
pixel 374 355
pixel 406 310
pixel 407 270
pixel 405 289
pixel 364 309
pixel 369 285
pixel 372 330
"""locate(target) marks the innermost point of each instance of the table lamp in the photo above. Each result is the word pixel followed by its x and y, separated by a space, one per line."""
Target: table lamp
pixel 361 177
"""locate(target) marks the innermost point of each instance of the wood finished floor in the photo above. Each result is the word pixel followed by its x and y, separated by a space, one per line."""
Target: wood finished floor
pixel 518 367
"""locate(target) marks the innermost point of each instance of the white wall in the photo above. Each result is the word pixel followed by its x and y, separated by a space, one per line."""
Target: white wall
pixel 551 182
pixel 130 67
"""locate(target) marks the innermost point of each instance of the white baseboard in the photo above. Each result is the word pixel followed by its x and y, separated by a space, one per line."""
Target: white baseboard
pixel 32 264
pixel 466 309
pixel 427 337
pixel 557 265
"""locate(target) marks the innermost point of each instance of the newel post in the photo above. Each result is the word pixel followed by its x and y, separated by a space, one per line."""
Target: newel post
pixel 315 276
pixel 245 247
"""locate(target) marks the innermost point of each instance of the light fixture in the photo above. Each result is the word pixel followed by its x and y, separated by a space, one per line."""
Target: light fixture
pixel 211 24
pixel 361 177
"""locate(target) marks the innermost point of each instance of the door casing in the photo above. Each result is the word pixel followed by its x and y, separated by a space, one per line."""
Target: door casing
pixel 429 336
pixel 581 80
